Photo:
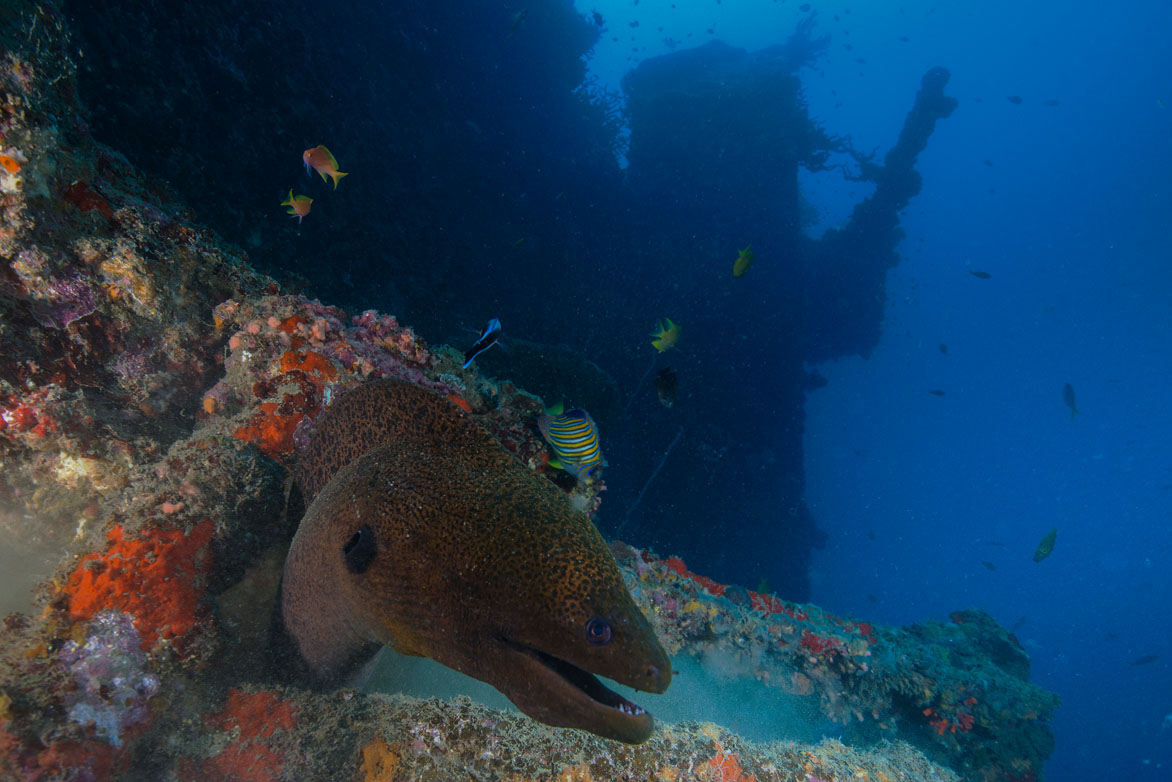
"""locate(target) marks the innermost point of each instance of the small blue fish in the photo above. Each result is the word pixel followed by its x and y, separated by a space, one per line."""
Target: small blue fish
pixel 486 340
pixel 574 438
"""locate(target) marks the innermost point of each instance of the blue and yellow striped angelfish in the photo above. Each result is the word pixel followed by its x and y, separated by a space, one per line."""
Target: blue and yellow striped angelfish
pixel 573 437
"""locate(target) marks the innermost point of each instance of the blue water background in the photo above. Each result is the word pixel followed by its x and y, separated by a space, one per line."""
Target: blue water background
pixel 1071 216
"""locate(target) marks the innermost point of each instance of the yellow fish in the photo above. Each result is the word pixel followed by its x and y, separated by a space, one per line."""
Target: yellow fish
pixel 323 162
pixel 667 334
pixel 743 262
pixel 298 205
pixel 1046 546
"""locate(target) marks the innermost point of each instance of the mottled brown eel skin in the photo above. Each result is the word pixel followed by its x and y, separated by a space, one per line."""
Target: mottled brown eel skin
pixel 422 533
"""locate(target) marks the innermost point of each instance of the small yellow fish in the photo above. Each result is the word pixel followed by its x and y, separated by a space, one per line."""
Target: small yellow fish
pixel 323 162
pixel 666 336
pixel 743 262
pixel 1046 546
pixel 298 205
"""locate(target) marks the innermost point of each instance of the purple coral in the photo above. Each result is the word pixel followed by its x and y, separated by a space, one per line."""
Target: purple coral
pixel 135 360
pixel 113 686
pixel 69 298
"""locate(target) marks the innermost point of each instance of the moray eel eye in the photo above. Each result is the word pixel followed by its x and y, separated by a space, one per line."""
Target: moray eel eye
pixel 359 552
pixel 598 631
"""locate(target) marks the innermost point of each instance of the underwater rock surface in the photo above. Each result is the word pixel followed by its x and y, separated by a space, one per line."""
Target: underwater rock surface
pixel 154 392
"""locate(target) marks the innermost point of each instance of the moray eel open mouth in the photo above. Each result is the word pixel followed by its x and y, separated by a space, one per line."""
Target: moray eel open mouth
pixel 423 533
pixel 580 693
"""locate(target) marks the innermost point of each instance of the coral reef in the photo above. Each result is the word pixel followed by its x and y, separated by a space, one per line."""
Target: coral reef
pixel 154 391
pixel 959 692
pixel 156 578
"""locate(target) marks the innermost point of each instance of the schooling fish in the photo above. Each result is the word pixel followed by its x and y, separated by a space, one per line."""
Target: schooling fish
pixel 666 335
pixel 1068 398
pixel 981 275
pixel 666 385
pixel 486 340
pixel 298 205
pixel 574 439
pixel 1046 546
pixel 323 162
pixel 424 534
pixel 743 262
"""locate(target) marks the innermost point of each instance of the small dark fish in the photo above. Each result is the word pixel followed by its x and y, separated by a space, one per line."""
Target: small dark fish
pixel 486 340
pixel 943 348
pixel 1020 623
pixel 989 163
pixel 871 534
pixel 737 595
pixel 1046 546
pixel 937 392
pixel 988 565
pixel 812 380
pixel 1068 398
pixel 598 20
pixel 1052 102
pixel 804 7
pixel 981 275
pixel 666 386
pixel 518 20
pixel 1015 99
pixel 1146 659
pixel 872 598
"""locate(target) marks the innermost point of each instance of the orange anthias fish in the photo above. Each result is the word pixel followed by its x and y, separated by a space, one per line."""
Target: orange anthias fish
pixel 11 164
pixel 298 205
pixel 323 162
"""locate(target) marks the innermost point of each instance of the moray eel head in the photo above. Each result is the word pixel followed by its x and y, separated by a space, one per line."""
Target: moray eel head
pixel 439 543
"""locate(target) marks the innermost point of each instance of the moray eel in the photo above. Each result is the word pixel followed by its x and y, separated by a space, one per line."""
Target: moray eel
pixel 422 533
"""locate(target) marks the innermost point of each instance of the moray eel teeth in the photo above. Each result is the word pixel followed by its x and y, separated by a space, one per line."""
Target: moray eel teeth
pixel 627 721
pixel 422 533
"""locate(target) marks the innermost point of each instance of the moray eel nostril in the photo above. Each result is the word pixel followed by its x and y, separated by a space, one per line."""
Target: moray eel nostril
pixel 424 534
